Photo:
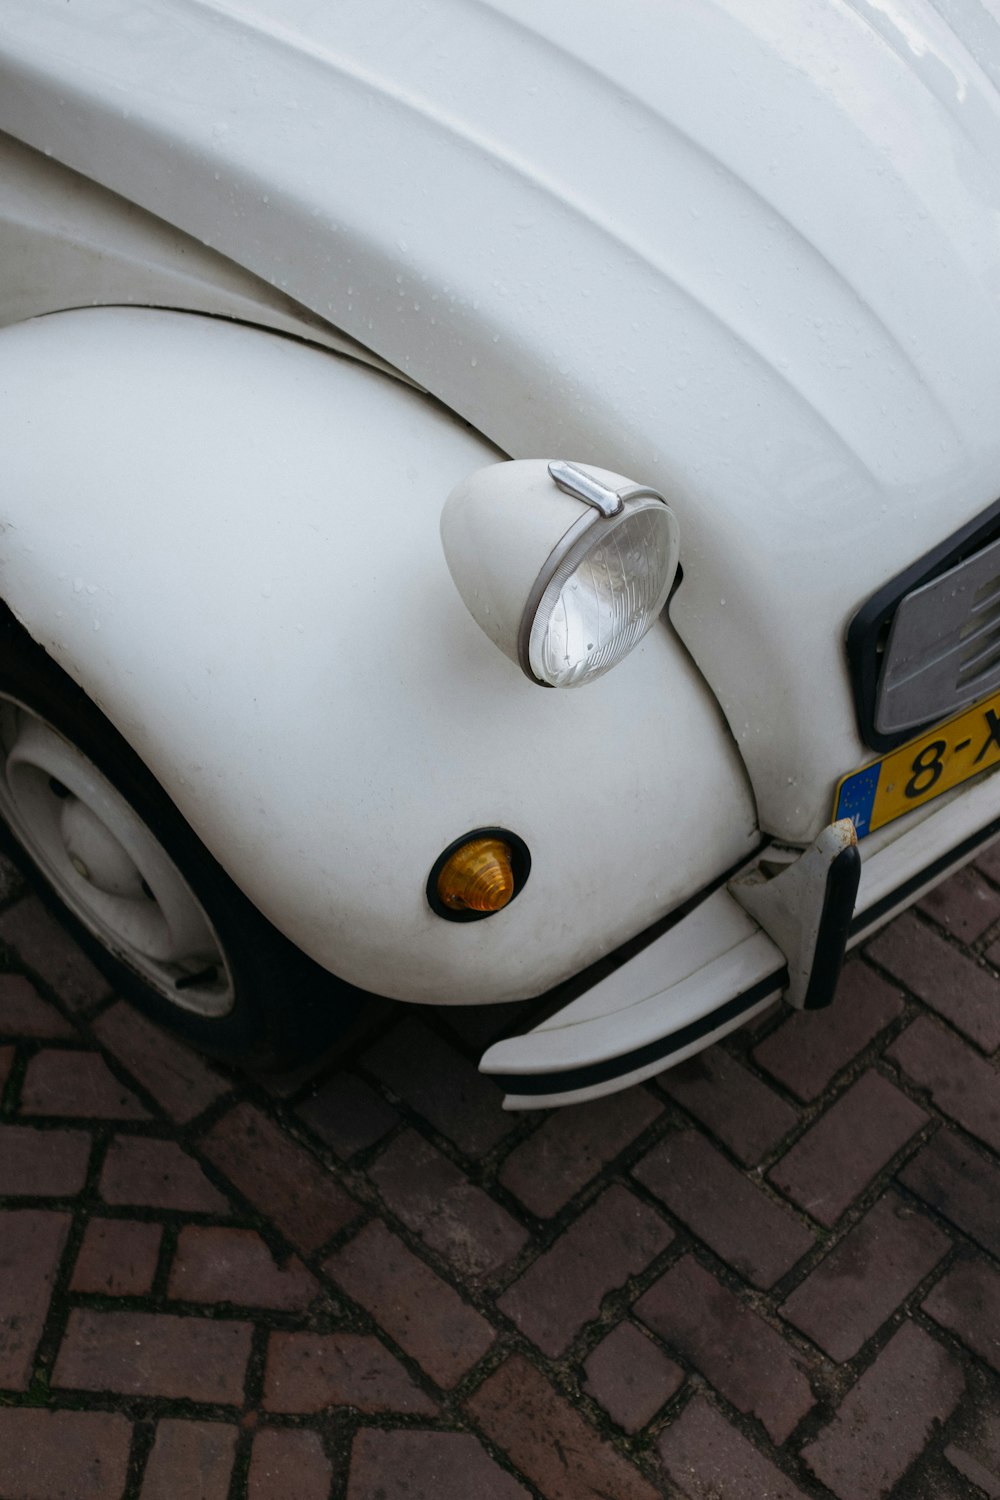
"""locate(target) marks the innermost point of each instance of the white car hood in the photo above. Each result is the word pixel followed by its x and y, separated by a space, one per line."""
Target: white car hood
pixel 747 252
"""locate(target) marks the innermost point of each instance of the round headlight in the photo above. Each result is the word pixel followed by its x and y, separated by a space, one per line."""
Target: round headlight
pixel 599 593
pixel 564 568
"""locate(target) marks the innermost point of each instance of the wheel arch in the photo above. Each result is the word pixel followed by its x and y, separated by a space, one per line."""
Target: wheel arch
pixel 229 540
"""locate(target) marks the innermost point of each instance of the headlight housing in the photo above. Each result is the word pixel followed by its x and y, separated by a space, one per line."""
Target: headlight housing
pixel 564 568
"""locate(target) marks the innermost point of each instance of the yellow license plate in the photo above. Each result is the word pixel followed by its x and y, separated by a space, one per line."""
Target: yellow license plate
pixel 910 776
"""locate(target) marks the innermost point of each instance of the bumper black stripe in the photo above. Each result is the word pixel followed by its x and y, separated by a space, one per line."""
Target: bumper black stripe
pixel 834 929
pixel 873 914
pixel 640 1057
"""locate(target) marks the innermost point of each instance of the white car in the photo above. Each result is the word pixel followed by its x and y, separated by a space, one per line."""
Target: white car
pixel 497 500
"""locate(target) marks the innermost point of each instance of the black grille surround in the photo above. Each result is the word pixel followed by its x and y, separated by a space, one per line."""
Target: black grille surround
pixel 868 632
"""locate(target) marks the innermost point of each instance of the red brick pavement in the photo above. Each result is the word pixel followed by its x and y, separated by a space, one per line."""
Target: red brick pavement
pixel 774 1272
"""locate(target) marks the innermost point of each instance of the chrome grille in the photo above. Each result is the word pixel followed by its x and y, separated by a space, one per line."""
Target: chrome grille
pixel 982 632
pixel 943 649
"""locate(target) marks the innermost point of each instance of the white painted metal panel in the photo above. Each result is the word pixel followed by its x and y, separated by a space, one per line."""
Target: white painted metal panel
pixel 231 541
pixel 745 251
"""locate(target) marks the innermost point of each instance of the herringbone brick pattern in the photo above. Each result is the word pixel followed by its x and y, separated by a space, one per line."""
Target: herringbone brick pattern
pixel 774 1272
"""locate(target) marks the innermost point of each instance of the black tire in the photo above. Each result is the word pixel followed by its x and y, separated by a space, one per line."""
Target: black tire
pixel 267 1004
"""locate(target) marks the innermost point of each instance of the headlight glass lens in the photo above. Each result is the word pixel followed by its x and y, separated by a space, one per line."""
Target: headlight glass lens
pixel 603 596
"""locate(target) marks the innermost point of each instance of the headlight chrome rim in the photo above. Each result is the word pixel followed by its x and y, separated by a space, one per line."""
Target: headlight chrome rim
pixel 507 531
pixel 596 525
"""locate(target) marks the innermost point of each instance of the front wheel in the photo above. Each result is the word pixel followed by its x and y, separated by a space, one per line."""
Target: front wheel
pixel 162 919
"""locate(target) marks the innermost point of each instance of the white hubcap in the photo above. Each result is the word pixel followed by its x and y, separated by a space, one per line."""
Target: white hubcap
pixel 107 866
pixel 95 853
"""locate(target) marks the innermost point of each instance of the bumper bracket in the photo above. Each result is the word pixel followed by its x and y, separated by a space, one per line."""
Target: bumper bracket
pixel 805 902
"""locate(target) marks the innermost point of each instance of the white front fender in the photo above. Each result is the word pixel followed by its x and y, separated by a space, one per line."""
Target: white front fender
pixel 230 540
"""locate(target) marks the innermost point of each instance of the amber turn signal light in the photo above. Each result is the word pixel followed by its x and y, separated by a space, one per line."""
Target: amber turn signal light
pixel 477 877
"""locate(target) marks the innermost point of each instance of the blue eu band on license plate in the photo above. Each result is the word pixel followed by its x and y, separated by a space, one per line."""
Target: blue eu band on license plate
pixel 916 773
